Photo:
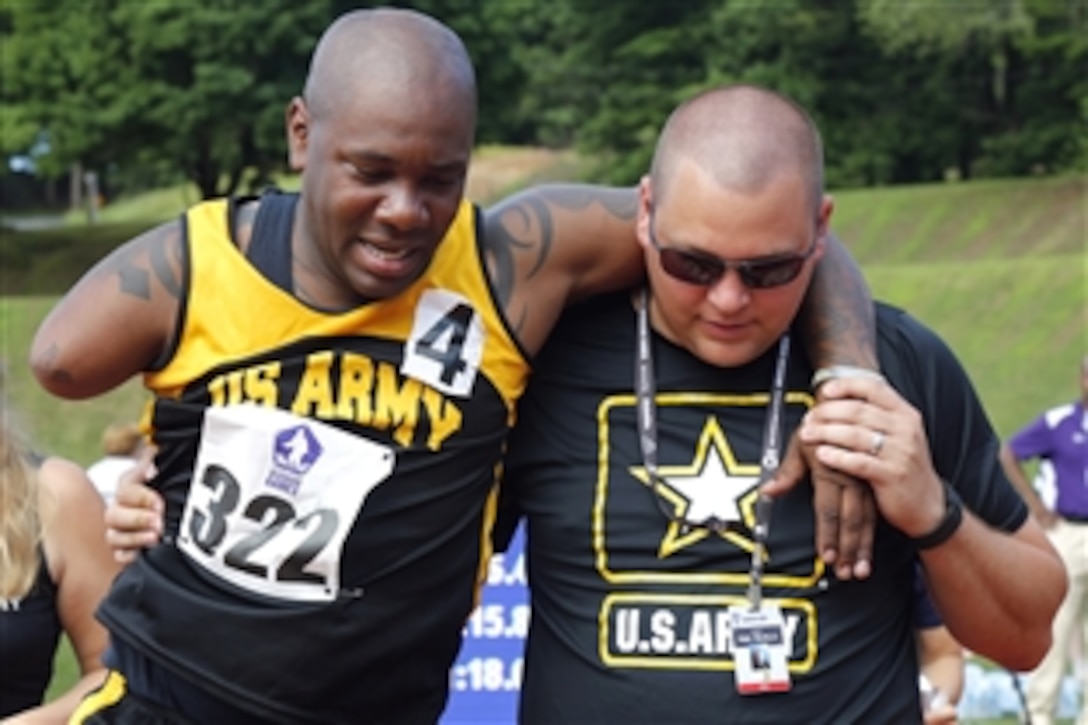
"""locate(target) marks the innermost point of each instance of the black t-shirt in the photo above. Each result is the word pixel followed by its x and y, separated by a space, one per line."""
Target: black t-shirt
pixel 629 616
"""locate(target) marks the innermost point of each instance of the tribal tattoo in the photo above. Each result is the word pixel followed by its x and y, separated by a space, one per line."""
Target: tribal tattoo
pixel 158 256
pixel 520 233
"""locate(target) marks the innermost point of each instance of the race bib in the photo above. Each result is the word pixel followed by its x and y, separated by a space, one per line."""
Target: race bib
pixel 273 498
pixel 446 343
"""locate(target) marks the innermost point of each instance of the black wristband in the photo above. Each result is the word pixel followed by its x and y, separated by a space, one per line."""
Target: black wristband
pixel 949 523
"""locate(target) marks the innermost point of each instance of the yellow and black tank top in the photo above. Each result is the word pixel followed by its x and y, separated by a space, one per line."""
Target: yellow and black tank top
pixel 429 380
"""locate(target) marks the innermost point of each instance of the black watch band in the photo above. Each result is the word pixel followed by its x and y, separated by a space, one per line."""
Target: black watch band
pixel 949 523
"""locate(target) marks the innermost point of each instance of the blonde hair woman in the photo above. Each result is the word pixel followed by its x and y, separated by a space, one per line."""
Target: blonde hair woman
pixel 54 568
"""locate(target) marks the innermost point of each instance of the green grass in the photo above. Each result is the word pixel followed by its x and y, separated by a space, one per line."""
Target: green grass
pixel 49 261
pixel 71 429
pixel 964 221
pixel 999 269
pixel 154 205
pixel 1019 326
pixel 65 669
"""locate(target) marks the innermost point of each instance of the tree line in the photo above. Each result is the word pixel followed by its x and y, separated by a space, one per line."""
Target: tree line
pixel 152 91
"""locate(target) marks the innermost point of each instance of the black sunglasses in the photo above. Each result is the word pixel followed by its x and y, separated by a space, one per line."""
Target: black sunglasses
pixel 704 270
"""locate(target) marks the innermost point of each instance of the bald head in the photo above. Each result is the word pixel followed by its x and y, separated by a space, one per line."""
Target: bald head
pixel 389 49
pixel 742 136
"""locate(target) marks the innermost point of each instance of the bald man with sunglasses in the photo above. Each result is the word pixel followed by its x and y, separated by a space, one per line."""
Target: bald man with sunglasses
pixel 662 587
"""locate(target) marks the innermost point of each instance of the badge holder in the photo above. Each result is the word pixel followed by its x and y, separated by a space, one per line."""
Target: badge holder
pixel 758 632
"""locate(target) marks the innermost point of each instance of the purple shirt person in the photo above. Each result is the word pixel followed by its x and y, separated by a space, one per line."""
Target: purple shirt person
pixel 1060 437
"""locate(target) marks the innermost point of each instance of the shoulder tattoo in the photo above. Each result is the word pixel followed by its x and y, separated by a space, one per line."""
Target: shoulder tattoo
pixel 520 232
pixel 156 255
pixel 521 228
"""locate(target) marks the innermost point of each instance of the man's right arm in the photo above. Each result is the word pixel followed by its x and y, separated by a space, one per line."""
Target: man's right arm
pixel 115 321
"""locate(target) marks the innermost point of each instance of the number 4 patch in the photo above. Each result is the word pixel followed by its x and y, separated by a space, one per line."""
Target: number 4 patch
pixel 446 343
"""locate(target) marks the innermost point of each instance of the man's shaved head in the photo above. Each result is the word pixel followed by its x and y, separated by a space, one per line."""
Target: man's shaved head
pixel 382 136
pixel 395 48
pixel 742 136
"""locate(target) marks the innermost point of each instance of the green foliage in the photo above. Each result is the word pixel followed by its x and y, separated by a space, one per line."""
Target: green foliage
pixel 904 92
pixel 602 76
pixel 196 87
pixel 948 26
pixel 17 131
pixel 1047 125
pixel 154 92
pixel 1020 66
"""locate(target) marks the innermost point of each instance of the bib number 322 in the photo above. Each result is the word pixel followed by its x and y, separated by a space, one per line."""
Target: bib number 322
pixel 273 499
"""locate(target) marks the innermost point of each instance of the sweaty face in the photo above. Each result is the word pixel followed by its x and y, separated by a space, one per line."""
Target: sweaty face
pixel 384 173
pixel 728 323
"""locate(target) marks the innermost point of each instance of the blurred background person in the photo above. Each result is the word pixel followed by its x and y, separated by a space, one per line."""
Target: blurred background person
pixel 941 661
pixel 1059 437
pixel 122 444
pixel 54 568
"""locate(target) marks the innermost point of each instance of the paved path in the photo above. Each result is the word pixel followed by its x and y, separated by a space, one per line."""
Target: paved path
pixel 31 223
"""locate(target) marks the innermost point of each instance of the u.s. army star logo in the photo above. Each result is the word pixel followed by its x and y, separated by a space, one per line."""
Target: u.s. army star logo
pixel 713 488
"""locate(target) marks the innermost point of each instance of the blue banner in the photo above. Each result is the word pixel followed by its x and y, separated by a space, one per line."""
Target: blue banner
pixel 486 677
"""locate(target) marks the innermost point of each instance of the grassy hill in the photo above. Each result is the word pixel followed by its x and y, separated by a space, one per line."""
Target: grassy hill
pixel 998 269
